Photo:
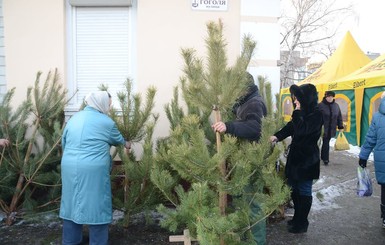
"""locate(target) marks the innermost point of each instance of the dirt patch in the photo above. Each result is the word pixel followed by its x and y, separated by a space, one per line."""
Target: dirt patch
pixel 47 230
pixel 33 234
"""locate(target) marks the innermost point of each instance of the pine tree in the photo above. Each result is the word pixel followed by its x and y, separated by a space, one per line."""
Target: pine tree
pixel 216 167
pixel 29 167
pixel 136 121
pixel 265 91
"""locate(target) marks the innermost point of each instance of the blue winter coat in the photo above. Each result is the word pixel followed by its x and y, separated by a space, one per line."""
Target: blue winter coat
pixel 85 167
pixel 375 140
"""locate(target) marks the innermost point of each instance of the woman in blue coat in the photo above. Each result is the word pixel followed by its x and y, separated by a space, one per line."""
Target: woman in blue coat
pixel 375 141
pixel 85 170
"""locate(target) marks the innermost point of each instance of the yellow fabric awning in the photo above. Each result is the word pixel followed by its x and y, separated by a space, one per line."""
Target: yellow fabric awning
pixel 347 58
pixel 371 75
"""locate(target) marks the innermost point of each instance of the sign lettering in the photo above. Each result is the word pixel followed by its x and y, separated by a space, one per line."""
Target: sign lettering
pixel 213 5
pixel 357 84
pixel 332 86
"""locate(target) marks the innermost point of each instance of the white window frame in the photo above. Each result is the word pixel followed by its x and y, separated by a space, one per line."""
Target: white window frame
pixel 95 3
pixel 72 85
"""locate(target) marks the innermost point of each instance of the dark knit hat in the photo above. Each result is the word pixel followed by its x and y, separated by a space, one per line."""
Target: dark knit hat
pixel 330 93
pixel 250 79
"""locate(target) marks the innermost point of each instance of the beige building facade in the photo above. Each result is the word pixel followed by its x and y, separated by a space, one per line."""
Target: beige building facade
pixel 107 41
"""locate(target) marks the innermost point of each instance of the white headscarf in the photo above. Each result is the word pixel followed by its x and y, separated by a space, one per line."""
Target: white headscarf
pixel 99 100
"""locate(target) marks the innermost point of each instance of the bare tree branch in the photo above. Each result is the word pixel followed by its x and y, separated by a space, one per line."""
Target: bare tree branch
pixel 308 25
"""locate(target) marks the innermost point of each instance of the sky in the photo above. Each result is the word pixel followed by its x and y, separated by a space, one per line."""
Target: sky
pixel 366 26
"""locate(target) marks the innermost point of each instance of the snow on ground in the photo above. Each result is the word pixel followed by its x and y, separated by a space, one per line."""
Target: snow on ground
pixel 354 150
pixel 324 198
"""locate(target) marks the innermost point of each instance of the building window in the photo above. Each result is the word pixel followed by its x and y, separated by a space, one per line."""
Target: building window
pixel 99 51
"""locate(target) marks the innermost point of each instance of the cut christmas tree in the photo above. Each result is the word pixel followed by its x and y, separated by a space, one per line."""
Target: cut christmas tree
pixel 219 187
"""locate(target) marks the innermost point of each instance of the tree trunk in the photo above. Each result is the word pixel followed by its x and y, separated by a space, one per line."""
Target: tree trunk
pixel 222 168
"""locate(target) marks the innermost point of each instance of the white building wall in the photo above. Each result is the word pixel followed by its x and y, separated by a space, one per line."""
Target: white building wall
pixel 164 27
pixel 36 39
pixel 3 84
pixel 259 18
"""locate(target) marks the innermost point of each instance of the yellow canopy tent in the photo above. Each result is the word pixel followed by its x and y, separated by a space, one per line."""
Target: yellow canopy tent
pixel 370 75
pixel 361 91
pixel 347 58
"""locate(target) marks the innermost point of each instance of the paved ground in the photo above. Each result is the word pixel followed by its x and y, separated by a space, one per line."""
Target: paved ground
pixel 338 215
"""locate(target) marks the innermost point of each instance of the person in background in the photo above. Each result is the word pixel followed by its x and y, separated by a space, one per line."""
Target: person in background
pixel 332 119
pixel 249 111
pixel 375 141
pixel 303 160
pixel 85 170
pixel 4 142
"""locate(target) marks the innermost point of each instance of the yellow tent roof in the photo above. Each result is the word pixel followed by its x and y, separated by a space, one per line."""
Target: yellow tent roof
pixel 371 75
pixel 347 58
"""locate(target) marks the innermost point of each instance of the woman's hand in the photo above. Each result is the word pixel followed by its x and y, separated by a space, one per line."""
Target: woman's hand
pixel 297 105
pixel 4 142
pixel 273 139
pixel 127 146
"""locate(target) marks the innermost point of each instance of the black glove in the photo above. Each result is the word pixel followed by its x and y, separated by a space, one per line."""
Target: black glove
pixel 342 127
pixel 362 163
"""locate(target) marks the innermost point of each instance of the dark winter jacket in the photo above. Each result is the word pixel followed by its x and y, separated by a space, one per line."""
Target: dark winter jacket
pixel 249 111
pixel 332 117
pixel 375 141
pixel 303 160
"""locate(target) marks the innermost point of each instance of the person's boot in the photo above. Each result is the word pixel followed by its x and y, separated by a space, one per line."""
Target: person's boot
pixel 301 223
pixel 295 198
pixel 383 215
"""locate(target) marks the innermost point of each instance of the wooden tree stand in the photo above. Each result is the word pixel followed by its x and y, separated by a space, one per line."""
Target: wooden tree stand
pixel 185 238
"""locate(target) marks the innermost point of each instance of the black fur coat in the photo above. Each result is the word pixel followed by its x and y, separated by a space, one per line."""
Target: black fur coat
pixel 303 160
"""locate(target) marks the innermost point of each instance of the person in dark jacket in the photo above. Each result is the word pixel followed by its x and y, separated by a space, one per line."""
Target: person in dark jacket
pixel 375 141
pixel 303 160
pixel 249 110
pixel 332 118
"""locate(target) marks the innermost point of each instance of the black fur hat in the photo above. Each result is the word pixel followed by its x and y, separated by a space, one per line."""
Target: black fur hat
pixel 307 95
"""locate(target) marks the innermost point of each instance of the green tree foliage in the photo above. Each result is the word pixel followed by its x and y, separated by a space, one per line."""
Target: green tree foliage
pixel 189 169
pixel 134 190
pixel 265 91
pixel 29 167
